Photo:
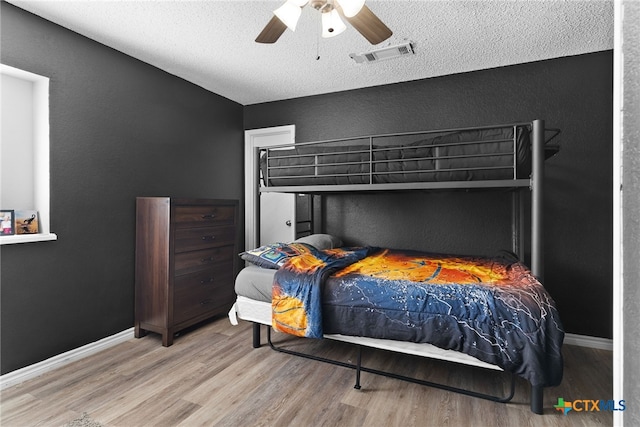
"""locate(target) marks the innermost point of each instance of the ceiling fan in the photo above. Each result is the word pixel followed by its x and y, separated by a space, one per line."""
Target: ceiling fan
pixel 354 11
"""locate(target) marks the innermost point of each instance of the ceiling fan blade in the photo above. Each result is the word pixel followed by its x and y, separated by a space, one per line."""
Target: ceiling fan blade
pixel 272 32
pixel 370 26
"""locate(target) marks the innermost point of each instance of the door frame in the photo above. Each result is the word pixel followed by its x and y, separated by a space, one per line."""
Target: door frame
pixel 254 139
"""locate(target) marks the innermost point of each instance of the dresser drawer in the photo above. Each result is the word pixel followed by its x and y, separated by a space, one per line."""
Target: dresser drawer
pixel 201 216
pixel 199 293
pixel 191 239
pixel 189 262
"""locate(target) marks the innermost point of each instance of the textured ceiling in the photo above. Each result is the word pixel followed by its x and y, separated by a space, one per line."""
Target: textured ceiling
pixel 211 42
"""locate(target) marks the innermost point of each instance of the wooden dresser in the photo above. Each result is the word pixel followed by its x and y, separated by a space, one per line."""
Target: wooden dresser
pixel 186 251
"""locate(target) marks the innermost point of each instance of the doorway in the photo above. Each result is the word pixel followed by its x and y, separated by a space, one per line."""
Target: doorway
pixel 278 216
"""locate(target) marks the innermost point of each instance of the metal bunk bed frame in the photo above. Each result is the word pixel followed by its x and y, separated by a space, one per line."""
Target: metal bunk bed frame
pixel 539 152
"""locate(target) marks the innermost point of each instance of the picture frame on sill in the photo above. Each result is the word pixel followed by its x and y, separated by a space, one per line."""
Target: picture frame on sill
pixel 8 222
pixel 26 222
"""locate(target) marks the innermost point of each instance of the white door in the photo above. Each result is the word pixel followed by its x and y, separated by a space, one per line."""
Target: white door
pixel 276 210
pixel 277 218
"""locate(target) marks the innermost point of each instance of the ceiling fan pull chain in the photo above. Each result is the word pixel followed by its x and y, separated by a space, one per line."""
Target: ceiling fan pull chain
pixel 318 43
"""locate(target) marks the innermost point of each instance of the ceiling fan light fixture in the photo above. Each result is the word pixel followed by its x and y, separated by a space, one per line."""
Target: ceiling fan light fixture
pixel 332 24
pixel 363 20
pixel 289 13
pixel 351 8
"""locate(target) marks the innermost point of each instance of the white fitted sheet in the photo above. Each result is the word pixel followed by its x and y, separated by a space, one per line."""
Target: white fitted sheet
pixel 260 312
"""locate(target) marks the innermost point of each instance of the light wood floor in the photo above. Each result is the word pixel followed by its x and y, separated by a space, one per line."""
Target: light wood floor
pixel 212 376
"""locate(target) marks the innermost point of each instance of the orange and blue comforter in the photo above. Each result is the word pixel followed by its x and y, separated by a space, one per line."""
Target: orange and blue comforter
pixel 490 308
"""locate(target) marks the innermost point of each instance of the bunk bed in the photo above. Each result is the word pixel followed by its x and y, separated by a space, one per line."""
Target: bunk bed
pixel 509 156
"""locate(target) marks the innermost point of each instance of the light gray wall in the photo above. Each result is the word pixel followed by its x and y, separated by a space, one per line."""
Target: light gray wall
pixel 631 210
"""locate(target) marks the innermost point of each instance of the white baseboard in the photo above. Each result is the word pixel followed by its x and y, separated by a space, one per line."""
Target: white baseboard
pixel 37 369
pixel 587 341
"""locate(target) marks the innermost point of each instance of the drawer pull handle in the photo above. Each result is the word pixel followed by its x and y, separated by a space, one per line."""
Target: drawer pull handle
pixel 209 216
pixel 205 302
pixel 203 260
pixel 209 280
pixel 208 237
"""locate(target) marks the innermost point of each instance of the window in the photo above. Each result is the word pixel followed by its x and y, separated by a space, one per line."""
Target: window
pixel 24 148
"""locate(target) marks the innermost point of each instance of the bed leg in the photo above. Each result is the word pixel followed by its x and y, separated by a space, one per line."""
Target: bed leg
pixel 256 335
pixel 358 368
pixel 536 399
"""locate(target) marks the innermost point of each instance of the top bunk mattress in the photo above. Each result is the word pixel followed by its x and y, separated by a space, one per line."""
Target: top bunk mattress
pixel 500 153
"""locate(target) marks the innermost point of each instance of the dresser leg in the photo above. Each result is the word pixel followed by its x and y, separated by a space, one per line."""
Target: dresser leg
pixel 138 332
pixel 167 338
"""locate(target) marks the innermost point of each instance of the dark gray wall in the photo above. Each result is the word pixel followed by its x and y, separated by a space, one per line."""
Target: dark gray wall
pixel 119 129
pixel 573 93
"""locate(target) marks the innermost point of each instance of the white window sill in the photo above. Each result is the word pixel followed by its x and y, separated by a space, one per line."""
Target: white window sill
pixel 27 238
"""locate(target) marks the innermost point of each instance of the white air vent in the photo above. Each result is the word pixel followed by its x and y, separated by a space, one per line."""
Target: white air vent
pixel 384 53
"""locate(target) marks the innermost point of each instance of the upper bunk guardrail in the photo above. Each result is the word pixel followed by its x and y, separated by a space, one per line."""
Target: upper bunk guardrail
pixel 479 157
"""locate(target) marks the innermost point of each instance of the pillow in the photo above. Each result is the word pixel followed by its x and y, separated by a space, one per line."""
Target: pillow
pixel 274 255
pixel 321 241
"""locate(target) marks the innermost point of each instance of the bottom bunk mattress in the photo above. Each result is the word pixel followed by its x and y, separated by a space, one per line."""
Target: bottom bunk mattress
pixel 490 308
pixel 254 286
pixel 255 283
